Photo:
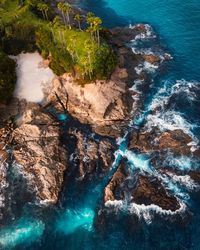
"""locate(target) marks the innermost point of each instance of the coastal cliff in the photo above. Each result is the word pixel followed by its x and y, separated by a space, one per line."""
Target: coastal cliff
pixel 75 133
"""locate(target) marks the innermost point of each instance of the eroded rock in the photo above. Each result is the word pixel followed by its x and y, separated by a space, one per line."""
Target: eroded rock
pixel 95 156
pixel 38 153
pixel 100 104
pixel 150 191
pixel 155 140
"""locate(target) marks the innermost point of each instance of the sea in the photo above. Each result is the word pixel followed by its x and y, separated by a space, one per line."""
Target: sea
pixel 175 92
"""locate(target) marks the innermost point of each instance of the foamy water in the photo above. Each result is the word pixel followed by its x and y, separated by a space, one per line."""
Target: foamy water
pixel 31 77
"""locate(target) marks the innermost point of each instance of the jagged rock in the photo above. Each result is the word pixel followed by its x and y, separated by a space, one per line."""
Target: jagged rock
pixel 195 175
pixel 150 191
pixel 176 141
pixel 100 104
pixel 38 153
pixel 94 156
pixel 151 58
pixel 114 184
pixel 140 189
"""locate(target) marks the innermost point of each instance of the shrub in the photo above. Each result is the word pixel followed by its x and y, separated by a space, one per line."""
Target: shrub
pixel 7 77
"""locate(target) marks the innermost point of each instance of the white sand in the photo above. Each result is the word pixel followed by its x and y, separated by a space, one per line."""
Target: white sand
pixel 31 78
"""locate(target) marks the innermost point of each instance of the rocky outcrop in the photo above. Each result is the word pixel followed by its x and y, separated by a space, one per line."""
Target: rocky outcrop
pixel 93 156
pixel 111 191
pixel 155 140
pixel 150 191
pixel 38 154
pixel 139 189
pixel 105 105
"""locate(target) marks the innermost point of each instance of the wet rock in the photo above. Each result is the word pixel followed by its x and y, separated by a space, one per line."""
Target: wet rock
pixel 110 192
pixel 95 156
pixel 151 58
pixel 155 140
pixel 38 154
pixel 140 28
pixel 195 175
pixel 150 191
pixel 139 189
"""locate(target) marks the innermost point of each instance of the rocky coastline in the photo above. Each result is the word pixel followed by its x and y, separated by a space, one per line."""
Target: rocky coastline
pixel 35 142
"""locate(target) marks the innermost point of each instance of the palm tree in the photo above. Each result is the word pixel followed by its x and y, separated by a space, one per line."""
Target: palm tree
pixel 97 25
pixel 51 25
pixel 67 9
pixel 72 47
pixel 90 14
pixel 78 18
pixel 61 8
pixel 91 26
pixel 46 8
pixel 43 7
pixel 57 25
pixel 89 47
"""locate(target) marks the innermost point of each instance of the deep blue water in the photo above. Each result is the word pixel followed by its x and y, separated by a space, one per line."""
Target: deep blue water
pixel 70 225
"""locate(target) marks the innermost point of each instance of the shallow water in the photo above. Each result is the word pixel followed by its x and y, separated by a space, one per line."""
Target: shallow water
pixel 71 226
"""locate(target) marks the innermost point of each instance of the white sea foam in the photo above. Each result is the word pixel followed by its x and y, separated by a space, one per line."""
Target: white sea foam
pixel 31 78
pixel 143 211
pixel 169 119
pixel 174 188
pixel 162 98
pixel 3 183
pixel 148 33
pixel 146 67
pixel 138 161
pixel 184 180
pixel 183 163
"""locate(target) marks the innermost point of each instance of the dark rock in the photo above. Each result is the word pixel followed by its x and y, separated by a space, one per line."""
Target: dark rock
pixel 176 141
pixel 95 156
pixel 117 179
pixel 150 191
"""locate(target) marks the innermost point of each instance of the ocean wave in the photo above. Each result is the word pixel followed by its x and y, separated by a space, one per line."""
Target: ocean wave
pixel 144 211
pixel 169 120
pixel 3 183
pixel 146 34
pixel 146 67
pixel 170 89
pixel 183 163
pixel 162 113
pixel 184 180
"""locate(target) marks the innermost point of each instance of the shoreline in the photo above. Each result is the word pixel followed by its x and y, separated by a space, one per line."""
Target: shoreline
pixel 93 154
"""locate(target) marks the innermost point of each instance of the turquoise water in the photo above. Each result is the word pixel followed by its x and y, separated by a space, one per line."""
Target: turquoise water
pixel 71 225
pixel 176 22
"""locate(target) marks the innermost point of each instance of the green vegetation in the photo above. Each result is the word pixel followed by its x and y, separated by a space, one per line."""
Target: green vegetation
pixel 31 25
pixel 7 77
